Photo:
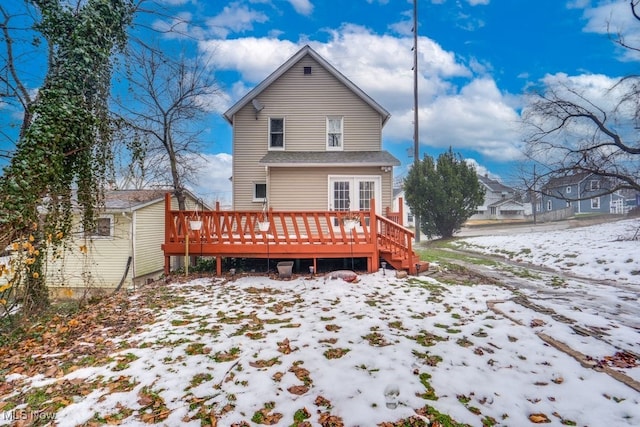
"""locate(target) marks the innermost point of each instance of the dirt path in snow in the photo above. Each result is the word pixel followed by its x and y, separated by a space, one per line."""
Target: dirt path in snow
pixel 541 289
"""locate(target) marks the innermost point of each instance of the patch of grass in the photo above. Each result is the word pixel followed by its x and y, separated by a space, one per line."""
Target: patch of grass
pixel 335 353
pixel 300 415
pixel 196 348
pixel 275 321
pixel 199 379
pixel 427 339
pixel 124 361
pixel 376 339
pixel 428 359
pixel 558 282
pixel 227 356
pixel 365 368
pixel 438 419
pixel 464 342
pixel 430 392
pixel 36 398
pixel 397 324
pixel 523 273
pixel 437 250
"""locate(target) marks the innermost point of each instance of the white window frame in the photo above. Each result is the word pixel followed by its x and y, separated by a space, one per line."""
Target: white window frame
pixel 275 148
pixel 355 179
pixel 255 197
pixel 549 205
pixel 595 203
pixel 328 128
pixel 568 189
pixel 93 234
pixel 594 185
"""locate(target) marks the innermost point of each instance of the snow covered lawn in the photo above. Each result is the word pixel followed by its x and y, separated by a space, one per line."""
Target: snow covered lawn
pixel 321 352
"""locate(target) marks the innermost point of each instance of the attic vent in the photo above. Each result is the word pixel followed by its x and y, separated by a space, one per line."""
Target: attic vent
pixel 307 70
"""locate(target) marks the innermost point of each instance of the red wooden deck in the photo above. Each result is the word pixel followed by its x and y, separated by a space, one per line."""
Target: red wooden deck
pixel 290 235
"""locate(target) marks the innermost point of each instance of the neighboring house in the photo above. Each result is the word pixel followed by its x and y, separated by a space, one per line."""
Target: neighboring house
pixel 500 201
pixel 307 138
pixel 123 250
pixel 584 192
pixel 407 220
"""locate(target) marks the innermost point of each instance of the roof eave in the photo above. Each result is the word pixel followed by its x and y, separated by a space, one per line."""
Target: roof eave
pixel 306 50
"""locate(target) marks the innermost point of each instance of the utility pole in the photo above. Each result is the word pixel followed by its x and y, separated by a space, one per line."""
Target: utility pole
pixel 416 142
pixel 534 198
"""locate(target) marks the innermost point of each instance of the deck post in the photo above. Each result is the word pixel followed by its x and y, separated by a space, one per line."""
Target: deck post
pixel 167 222
pixel 412 267
pixel 373 233
pixel 401 211
pixel 218 266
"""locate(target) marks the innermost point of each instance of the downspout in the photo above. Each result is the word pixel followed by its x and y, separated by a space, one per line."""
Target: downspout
pixel 133 247
pixel 268 183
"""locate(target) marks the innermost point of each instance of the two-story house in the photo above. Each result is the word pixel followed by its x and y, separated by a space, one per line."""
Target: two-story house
pixel 307 138
pixel 583 192
pixel 307 164
pixel 500 201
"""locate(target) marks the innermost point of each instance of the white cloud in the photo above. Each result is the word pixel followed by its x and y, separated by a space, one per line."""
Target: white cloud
pixel 303 7
pixel 480 170
pixel 253 58
pixel 477 116
pixel 478 2
pixel 614 19
pixel 603 91
pixel 212 181
pixel 235 18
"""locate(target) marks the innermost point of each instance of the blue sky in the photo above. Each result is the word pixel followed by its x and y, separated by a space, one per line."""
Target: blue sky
pixel 476 60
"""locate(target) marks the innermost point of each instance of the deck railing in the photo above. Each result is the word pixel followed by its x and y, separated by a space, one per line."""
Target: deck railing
pixel 284 234
pixel 396 240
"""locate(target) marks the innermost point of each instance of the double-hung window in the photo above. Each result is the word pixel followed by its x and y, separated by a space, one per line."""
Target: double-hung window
pixel 276 133
pixel 334 133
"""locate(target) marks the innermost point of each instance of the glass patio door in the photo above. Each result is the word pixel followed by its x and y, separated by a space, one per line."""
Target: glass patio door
pixel 354 193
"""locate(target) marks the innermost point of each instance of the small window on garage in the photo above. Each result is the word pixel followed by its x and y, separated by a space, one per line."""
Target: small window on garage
pixel 103 228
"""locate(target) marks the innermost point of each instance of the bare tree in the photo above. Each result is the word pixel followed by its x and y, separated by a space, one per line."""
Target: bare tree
pixel 573 129
pixel 16 28
pixel 171 97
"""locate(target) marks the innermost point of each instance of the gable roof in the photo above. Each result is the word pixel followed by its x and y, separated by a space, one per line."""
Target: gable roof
pixel 130 200
pixel 562 181
pixel 306 50
pixel 493 185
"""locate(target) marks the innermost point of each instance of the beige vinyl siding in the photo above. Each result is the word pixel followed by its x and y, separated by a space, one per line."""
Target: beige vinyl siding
pixel 312 186
pixel 102 265
pixel 149 236
pixel 304 101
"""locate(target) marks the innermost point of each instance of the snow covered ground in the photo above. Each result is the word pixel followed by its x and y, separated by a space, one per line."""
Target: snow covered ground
pixel 605 251
pixel 252 350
